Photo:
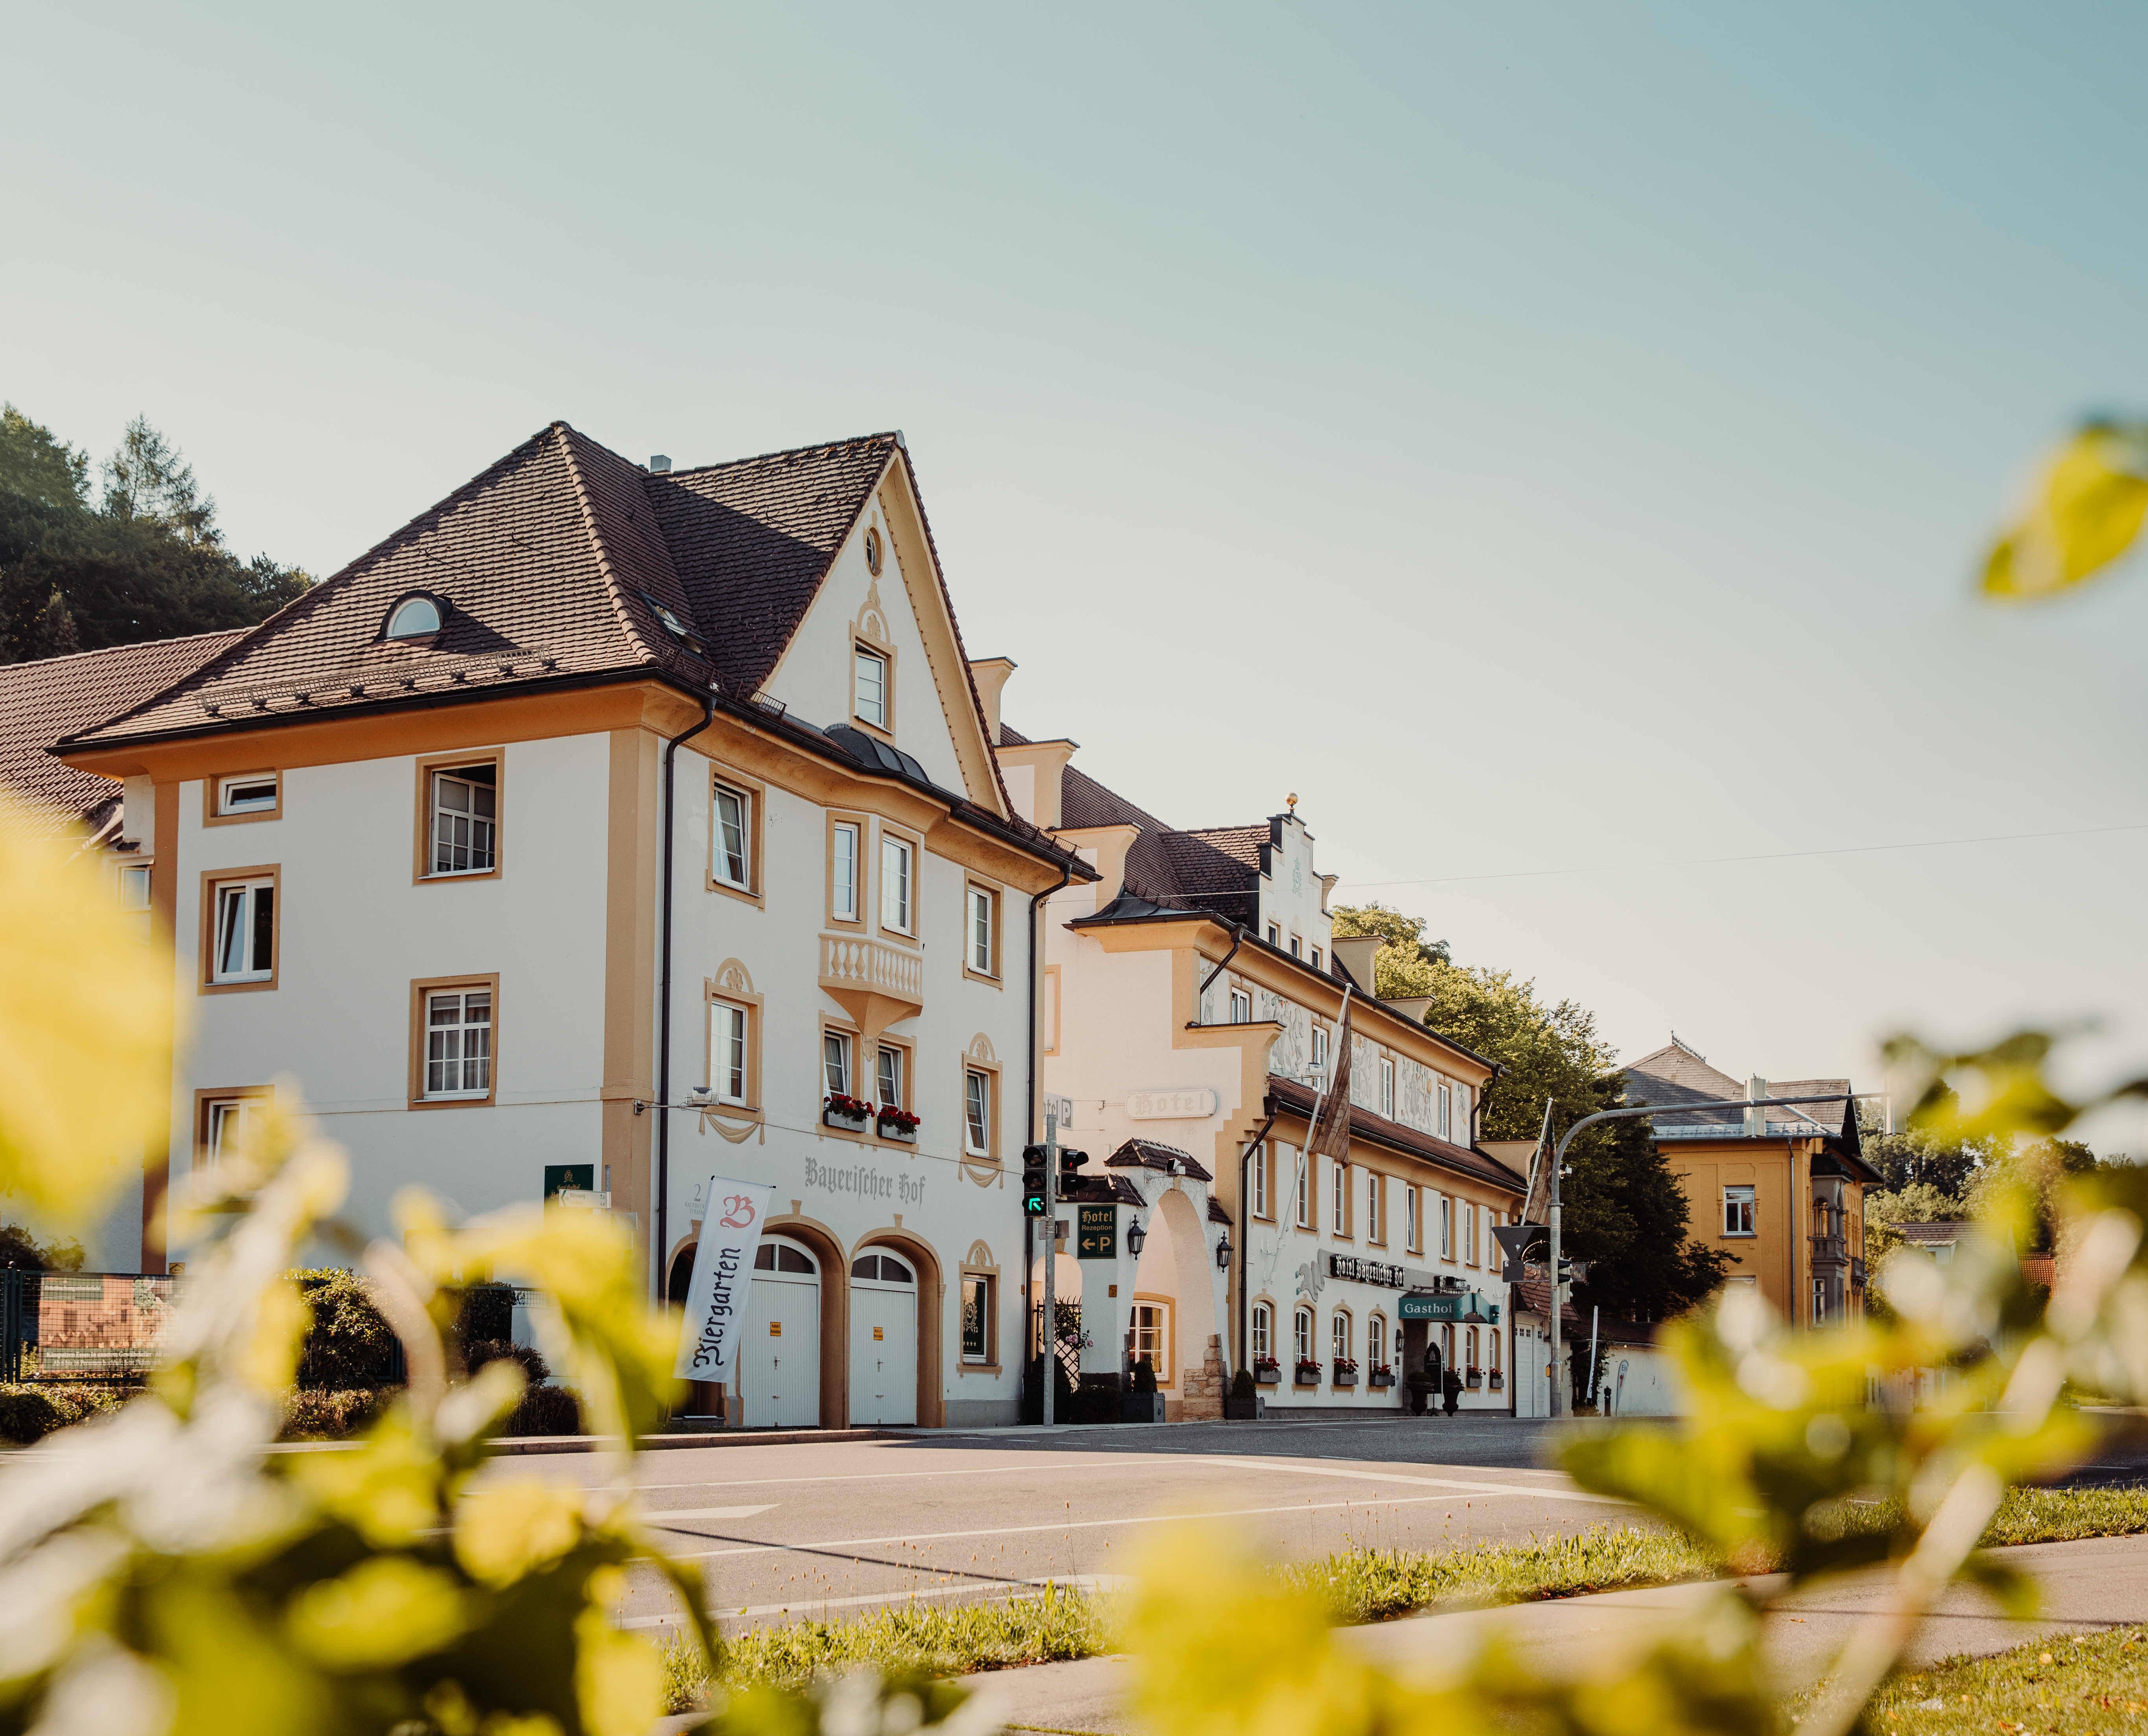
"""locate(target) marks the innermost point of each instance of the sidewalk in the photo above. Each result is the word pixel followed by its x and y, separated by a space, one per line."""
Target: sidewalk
pixel 2096 1583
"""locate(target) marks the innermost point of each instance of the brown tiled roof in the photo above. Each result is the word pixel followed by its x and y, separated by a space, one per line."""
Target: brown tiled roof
pixel 1216 1214
pixel 43 701
pixel 1212 869
pixel 1292 1097
pixel 1102 1191
pixel 1148 1154
pixel 559 562
pixel 1674 1076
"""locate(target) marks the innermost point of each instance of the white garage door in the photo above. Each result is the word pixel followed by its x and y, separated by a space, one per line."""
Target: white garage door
pixel 883 1341
pixel 779 1369
pixel 1532 1391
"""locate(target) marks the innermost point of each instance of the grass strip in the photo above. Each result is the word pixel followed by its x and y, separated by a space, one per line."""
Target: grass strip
pixel 2066 1685
pixel 1360 1585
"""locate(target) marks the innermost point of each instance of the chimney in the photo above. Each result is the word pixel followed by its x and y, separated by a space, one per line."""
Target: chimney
pixel 991 674
pixel 660 463
pixel 1356 951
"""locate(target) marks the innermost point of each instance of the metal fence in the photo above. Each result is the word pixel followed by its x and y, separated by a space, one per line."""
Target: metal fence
pixel 83 1325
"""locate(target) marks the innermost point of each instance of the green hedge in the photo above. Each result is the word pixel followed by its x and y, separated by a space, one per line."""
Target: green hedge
pixel 29 1413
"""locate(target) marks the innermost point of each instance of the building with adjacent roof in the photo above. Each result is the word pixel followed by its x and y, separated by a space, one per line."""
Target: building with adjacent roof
pixel 1780 1190
pixel 1192 999
pixel 614 828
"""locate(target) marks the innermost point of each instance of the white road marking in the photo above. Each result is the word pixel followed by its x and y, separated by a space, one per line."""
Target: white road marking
pixel 742 1483
pixel 661 1517
pixel 1430 1483
pixel 801 1606
pixel 1067 1525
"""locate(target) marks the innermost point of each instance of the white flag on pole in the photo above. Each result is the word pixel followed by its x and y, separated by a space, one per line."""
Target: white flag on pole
pixel 723 1270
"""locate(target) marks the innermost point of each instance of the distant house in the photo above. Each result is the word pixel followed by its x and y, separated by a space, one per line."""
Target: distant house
pixel 1780 1190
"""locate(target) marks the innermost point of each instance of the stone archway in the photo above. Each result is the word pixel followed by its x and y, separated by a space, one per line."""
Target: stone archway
pixel 932 1317
pixel 835 1314
pixel 1177 1264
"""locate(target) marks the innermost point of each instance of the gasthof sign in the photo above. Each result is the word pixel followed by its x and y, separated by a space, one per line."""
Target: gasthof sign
pixel 1364 1272
pixel 1100 1233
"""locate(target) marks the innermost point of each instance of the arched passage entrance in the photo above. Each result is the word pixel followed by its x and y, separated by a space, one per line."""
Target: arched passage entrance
pixel 1173 1313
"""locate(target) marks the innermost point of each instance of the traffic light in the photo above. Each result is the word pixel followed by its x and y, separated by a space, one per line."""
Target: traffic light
pixel 1032 1181
pixel 1070 1169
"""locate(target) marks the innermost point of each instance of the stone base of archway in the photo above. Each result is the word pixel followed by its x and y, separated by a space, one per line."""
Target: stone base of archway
pixel 1201 1391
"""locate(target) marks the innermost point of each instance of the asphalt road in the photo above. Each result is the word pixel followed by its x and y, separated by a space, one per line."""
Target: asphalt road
pixel 786 1530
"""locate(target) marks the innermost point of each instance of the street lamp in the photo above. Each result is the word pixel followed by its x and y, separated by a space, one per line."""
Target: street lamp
pixel 1224 1253
pixel 1136 1236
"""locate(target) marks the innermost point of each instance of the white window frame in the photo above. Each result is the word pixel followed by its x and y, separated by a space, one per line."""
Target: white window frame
pixel 1242 1007
pixel 1342 1330
pixel 1387 1087
pixel 1261 1180
pixel 1741 1225
pixel 1340 1190
pixel 1263 1330
pixel 1297 946
pixel 1469 1248
pixel 898 888
pixel 227 797
pixel 441 1064
pixel 236 913
pixel 882 1072
pixel 1301 1334
pixel 729 866
pixel 850 833
pixel 868 697
pixel 133 887
pixel 1316 958
pixel 1446 1227
pixel 1319 1051
pixel 1443 1112
pixel 1275 934
pixel 1157 1326
pixel 1413 1227
pixel 1376 1342
pixel 983 914
pixel 1304 1162
pixel 225 1123
pixel 731 1052
pixel 443 819
pixel 976 1111
pixel 1372 1180
pixel 835 1044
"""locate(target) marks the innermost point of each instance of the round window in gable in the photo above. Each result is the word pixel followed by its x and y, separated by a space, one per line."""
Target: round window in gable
pixel 417 616
pixel 872 551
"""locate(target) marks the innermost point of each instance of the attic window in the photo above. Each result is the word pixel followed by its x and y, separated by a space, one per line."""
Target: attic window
pixel 415 617
pixel 872 551
pixel 671 622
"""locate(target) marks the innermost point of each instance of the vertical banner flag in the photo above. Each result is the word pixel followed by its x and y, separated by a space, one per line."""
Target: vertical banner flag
pixel 1329 1135
pixel 722 1268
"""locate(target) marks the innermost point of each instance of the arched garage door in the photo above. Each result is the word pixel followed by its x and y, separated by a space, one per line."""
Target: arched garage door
pixel 779 1365
pixel 883 1341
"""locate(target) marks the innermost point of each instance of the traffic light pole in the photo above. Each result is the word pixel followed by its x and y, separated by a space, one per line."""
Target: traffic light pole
pixel 1561 1399
pixel 1051 1261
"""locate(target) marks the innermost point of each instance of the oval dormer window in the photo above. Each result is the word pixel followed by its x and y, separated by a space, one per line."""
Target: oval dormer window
pixel 413 618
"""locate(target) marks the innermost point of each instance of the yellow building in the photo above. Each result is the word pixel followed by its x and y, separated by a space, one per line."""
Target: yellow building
pixel 1779 1190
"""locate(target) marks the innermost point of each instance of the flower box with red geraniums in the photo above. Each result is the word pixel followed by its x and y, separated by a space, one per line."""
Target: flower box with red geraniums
pixel 1346 1371
pixel 1266 1370
pixel 1382 1375
pixel 897 1124
pixel 1308 1374
pixel 849 1113
pixel 1499 1381
pixel 1473 1378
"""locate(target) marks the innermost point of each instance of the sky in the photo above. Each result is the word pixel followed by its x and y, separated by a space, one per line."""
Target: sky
pixel 1556 442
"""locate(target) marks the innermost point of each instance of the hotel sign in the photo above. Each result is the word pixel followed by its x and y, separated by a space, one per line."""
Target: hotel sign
pixel 1196 1103
pixel 1365 1271
pixel 1100 1233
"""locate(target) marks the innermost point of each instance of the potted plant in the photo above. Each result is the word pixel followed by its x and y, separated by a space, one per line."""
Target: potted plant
pixel 1346 1371
pixel 1423 1389
pixel 1499 1381
pixel 1243 1403
pixel 1143 1402
pixel 1382 1375
pixel 851 1114
pixel 1308 1374
pixel 1268 1371
pixel 1474 1377
pixel 897 1124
